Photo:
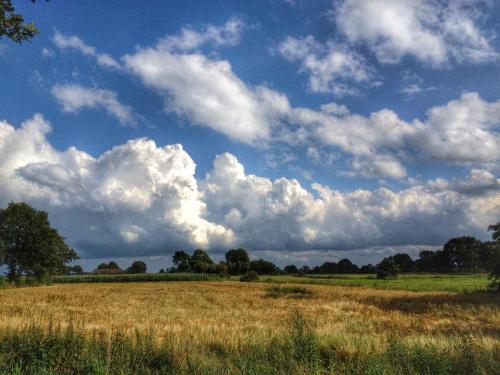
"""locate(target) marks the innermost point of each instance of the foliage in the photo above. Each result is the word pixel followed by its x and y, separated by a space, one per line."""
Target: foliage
pixel 250 276
pixel 263 267
pixel 145 277
pixel 495 257
pixel 201 262
pixel 291 269
pixel 30 245
pixel 181 261
pixel 12 24
pixel 237 261
pixel 387 268
pixel 108 266
pixel 137 267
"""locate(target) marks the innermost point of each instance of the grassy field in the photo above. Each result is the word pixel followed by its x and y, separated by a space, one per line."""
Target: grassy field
pixel 225 327
pixel 458 283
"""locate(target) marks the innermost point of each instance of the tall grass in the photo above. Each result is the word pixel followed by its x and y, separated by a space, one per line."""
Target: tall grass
pixel 37 350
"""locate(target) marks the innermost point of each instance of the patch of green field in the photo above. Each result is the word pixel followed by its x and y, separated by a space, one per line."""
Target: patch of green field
pixel 457 283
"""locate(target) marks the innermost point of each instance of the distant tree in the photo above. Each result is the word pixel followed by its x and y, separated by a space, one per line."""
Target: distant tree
pixel 200 261
pixel 250 276
pixel 137 267
pixel 304 270
pixel 221 268
pixel 368 268
pixel 463 252
pixel 425 261
pixel 237 261
pixel 404 262
pixel 387 268
pixel 263 267
pixel 108 266
pixel 29 245
pixel 182 261
pixel 12 24
pixel 495 259
pixel 346 266
pixel 161 270
pixel 291 269
pixel 77 270
pixel 327 268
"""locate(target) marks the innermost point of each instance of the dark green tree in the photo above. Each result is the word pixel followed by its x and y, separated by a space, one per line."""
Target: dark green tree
pixel 182 261
pixel 404 262
pixel 495 259
pixel 29 245
pixel 346 266
pixel 200 261
pixel 463 252
pixel 291 269
pixel 387 268
pixel 137 267
pixel 237 261
pixel 263 267
pixel 12 25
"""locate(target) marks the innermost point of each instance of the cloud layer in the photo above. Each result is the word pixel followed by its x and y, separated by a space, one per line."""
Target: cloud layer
pixel 142 199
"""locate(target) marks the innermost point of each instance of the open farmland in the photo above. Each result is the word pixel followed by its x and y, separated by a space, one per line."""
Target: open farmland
pixel 251 328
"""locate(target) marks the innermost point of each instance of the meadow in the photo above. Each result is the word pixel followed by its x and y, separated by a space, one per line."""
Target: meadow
pixel 229 327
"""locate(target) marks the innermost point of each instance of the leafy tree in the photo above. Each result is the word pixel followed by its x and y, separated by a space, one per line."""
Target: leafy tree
pixel 29 245
pixel 495 259
pixel 425 261
pixel 304 270
pixel 263 267
pixel 112 265
pixel 387 268
pixel 404 262
pixel 291 269
pixel 12 24
pixel 200 261
pixel 463 252
pixel 182 261
pixel 346 266
pixel 137 267
pixel 238 261
pixel 368 268
pixel 161 270
pixel 78 270
pixel 327 268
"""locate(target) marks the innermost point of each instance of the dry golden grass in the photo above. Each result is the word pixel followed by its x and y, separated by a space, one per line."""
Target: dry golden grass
pixel 233 312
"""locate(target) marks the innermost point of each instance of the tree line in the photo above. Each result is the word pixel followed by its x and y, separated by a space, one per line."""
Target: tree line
pixel 30 247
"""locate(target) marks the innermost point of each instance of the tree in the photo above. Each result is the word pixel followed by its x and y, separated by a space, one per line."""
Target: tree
pixel 182 261
pixel 29 245
pixel 237 261
pixel 161 270
pixel 263 267
pixel 346 266
pixel 108 266
pixel 12 25
pixel 137 267
pixel 404 262
pixel 463 252
pixel 77 270
pixel 368 268
pixel 425 261
pixel 250 276
pixel 200 261
pixel 291 269
pixel 387 268
pixel 495 259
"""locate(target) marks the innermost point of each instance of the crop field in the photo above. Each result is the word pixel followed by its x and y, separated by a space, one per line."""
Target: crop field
pixel 458 283
pixel 228 327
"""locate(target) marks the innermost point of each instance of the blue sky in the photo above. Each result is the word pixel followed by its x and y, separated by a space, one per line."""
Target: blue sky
pixel 397 100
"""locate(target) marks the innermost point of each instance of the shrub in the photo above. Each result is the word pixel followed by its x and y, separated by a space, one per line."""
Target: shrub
pixel 250 276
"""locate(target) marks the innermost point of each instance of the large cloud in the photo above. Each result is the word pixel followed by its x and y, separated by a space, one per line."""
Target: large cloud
pixel 136 197
pixel 434 32
pixel 139 199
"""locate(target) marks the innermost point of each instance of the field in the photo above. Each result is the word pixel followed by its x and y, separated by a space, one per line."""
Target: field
pixel 228 327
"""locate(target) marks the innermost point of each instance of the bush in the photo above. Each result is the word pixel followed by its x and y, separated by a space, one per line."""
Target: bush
pixel 387 268
pixel 250 276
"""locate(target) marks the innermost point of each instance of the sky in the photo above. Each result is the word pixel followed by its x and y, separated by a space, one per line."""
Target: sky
pixel 301 131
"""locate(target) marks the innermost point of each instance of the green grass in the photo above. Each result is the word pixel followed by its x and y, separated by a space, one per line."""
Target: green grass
pixel 457 283
pixel 67 351
pixel 134 278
